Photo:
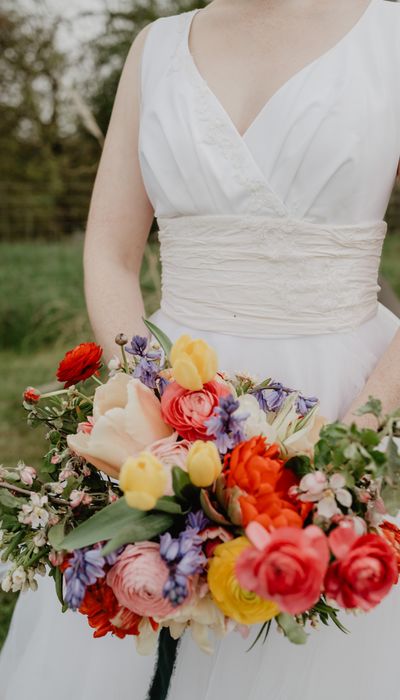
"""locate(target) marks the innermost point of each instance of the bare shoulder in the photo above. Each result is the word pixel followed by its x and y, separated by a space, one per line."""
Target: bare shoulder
pixel 137 45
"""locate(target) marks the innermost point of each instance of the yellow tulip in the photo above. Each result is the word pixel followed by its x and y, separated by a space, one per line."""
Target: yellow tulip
pixel 193 362
pixel 203 463
pixel 143 480
pixel 234 601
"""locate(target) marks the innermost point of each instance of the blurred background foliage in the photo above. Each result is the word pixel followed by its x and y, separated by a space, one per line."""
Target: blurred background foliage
pixel 56 98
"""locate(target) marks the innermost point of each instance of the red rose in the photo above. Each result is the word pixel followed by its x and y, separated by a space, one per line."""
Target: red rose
pixel 287 566
pixel 31 395
pixel 79 363
pixel 187 410
pixel 364 571
pixel 105 614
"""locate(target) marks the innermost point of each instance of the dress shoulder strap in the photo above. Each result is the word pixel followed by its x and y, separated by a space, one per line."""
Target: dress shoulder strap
pixel 160 48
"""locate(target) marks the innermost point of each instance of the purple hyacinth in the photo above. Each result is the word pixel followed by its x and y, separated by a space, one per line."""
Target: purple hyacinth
pixel 225 424
pixel 184 558
pixel 84 568
pixel 272 397
pixel 305 404
pixel 147 372
pixel 148 366
pixel 139 347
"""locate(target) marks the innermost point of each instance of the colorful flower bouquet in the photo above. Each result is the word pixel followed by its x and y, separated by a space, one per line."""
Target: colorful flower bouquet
pixel 174 496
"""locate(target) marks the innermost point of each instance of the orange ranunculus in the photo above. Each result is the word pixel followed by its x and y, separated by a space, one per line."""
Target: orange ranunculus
pixel 391 533
pixel 78 364
pixel 256 470
pixel 105 614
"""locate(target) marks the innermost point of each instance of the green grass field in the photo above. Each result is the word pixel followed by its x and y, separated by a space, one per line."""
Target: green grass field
pixel 42 314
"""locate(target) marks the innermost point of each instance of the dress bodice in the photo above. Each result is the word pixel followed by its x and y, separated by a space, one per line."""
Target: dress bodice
pixel 331 159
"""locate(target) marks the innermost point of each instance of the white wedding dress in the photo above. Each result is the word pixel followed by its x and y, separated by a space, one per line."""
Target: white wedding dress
pixel 271 243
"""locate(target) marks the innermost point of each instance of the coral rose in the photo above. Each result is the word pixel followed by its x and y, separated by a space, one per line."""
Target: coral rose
pixel 79 363
pixel 257 479
pixel 236 602
pixel 126 418
pixel 365 570
pixel 287 566
pixel 187 410
pixel 138 578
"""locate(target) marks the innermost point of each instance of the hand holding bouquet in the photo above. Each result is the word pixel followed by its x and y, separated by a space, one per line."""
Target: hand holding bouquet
pixel 174 496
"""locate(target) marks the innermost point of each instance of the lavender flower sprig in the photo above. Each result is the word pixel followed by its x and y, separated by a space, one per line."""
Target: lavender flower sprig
pixel 272 397
pixel 84 568
pixel 226 425
pixel 184 557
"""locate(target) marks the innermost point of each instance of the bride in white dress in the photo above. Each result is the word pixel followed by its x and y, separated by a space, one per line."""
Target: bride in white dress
pixel 269 162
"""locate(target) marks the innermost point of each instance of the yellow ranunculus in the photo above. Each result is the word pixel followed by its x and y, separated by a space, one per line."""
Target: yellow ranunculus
pixel 143 480
pixel 234 601
pixel 193 362
pixel 203 463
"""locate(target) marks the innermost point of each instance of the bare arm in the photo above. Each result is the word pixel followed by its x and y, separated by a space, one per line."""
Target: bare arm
pixel 120 218
pixel 384 383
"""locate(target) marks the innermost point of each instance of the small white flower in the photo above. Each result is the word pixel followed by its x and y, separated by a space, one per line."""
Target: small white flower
pixel 41 569
pixel 78 498
pixel 33 513
pixel 6 583
pixel 114 365
pixel 39 539
pixel 18 578
pixel 256 423
pixel 27 475
pixel 327 506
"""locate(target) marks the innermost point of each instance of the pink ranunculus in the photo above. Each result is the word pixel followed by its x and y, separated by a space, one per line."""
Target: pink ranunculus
pixel 287 565
pixel 364 571
pixel 137 579
pixel 187 410
pixel 171 453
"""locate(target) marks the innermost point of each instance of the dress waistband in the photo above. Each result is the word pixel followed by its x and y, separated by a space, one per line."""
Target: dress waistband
pixel 258 276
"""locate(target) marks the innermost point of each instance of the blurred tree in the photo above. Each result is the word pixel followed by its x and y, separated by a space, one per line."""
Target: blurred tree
pixel 111 48
pixel 39 146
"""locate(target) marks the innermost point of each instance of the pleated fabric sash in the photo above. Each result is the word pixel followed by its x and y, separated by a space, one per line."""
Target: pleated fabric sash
pixel 257 276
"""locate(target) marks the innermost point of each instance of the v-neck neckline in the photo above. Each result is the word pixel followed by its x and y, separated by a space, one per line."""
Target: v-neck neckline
pixel 297 74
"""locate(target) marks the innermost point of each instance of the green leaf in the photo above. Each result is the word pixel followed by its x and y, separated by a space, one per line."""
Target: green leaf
pixel 300 465
pixel 144 529
pixel 391 489
pixel 57 574
pixel 168 504
pixel 8 500
pixel 373 405
pixel 264 628
pixel 293 631
pixel 183 487
pixel 103 525
pixel 159 335
pixel 56 534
